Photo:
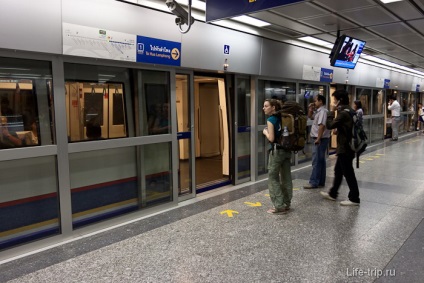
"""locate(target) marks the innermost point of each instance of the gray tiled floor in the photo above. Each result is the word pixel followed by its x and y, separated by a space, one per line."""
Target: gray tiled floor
pixel 319 241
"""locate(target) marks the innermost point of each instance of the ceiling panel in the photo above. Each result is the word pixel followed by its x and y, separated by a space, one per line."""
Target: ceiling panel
pixel 418 24
pixel 300 11
pixel 284 22
pixel 339 5
pixel 370 16
pixel 283 30
pixel 329 23
pixel 390 30
pixel 360 34
pixel 406 39
pixel 404 10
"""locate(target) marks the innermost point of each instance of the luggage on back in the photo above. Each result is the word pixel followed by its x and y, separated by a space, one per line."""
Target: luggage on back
pixel 293 127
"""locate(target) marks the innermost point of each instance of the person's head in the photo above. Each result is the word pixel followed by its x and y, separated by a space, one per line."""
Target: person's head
pixel 357 104
pixel 420 105
pixel 271 106
pixel 3 120
pixel 93 129
pixel 341 96
pixel 394 97
pixel 319 100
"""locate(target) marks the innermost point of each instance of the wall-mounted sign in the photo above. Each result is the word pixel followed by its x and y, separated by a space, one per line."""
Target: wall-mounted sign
pixel 226 49
pixel 313 73
pixel 158 51
pixel 221 9
pixel 326 75
pixel 386 83
pixel 98 43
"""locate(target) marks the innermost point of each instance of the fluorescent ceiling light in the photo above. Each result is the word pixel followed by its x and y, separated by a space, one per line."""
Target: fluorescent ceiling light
pixel 390 1
pixel 316 41
pixel 251 21
pixel 194 4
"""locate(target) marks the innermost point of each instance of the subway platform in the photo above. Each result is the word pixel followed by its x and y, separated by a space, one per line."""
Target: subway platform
pixel 227 236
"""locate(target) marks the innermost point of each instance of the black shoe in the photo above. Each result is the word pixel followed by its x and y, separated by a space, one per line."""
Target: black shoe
pixel 394 139
pixel 309 186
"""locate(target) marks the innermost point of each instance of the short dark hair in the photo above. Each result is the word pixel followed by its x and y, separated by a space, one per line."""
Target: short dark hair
pixel 394 97
pixel 321 98
pixel 358 104
pixel 342 96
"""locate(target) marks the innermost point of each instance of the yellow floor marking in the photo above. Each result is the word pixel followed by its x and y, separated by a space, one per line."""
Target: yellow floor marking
pixel 296 189
pixel 253 204
pixel 370 159
pixel 361 161
pixel 229 212
pixel 267 195
pixel 380 154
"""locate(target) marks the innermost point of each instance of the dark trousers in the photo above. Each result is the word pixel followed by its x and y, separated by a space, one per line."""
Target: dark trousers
pixel 344 168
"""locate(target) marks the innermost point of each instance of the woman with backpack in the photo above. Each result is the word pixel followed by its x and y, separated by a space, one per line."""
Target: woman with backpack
pixel 279 161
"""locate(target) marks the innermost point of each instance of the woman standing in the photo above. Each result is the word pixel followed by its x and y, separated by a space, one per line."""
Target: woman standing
pixel 357 106
pixel 279 181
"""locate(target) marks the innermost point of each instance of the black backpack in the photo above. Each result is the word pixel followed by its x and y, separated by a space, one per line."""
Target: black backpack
pixel 359 139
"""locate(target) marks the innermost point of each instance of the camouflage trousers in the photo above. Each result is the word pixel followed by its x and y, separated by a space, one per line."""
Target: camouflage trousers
pixel 280 184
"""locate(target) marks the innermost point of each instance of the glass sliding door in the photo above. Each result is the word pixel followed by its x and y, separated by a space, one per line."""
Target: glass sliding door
pixel 242 137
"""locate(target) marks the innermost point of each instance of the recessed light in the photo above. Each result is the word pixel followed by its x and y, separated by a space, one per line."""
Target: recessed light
pixel 389 1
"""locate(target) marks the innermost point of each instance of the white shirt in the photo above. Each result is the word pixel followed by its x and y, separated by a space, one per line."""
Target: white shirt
pixel 320 118
pixel 395 108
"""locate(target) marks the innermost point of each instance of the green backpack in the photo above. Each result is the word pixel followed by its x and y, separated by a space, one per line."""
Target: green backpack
pixel 293 127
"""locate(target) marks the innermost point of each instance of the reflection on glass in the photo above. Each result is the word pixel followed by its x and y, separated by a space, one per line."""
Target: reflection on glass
pixel 377 102
pixel 262 154
pixel 95 111
pixel 158 173
pixel 24 93
pixel 29 207
pixel 243 131
pixel 364 95
pixel 103 184
pixel 273 89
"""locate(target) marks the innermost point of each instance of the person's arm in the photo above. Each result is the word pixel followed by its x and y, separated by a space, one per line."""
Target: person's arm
pixel 269 132
pixel 321 129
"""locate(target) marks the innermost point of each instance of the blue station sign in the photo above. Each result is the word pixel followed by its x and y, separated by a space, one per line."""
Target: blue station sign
pixel 386 83
pixel 221 9
pixel 326 75
pixel 158 51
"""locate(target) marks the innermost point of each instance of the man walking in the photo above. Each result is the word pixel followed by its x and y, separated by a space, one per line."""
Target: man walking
pixel 320 136
pixel 344 124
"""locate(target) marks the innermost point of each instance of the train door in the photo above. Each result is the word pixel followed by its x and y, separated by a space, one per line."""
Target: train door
pixel 95 111
pixel 242 130
pixel 212 142
pixel 185 127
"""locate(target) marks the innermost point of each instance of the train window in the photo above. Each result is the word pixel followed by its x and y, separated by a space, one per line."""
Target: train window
pixel 377 102
pixel 26 106
pixel 95 102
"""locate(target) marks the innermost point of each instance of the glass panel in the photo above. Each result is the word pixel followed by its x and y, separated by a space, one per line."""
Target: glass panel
pixel 243 132
pixel 306 96
pixel 103 184
pixel 155 103
pixel 29 207
pixel 364 95
pixel 184 134
pixel 377 130
pixel 158 173
pixel 25 91
pixel 95 100
pixel 377 102
pixel 273 89
pixel 262 154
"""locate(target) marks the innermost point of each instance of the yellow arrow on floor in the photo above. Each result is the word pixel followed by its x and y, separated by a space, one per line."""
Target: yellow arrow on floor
pixel 253 204
pixel 380 154
pixel 361 161
pixel 296 189
pixel 370 159
pixel 229 212
pixel 267 195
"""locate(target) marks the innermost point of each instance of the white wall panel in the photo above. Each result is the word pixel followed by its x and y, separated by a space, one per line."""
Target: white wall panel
pixel 31 25
pixel 203 48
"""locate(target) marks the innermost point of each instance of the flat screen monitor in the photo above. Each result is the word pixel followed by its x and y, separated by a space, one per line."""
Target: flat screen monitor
pixel 346 52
